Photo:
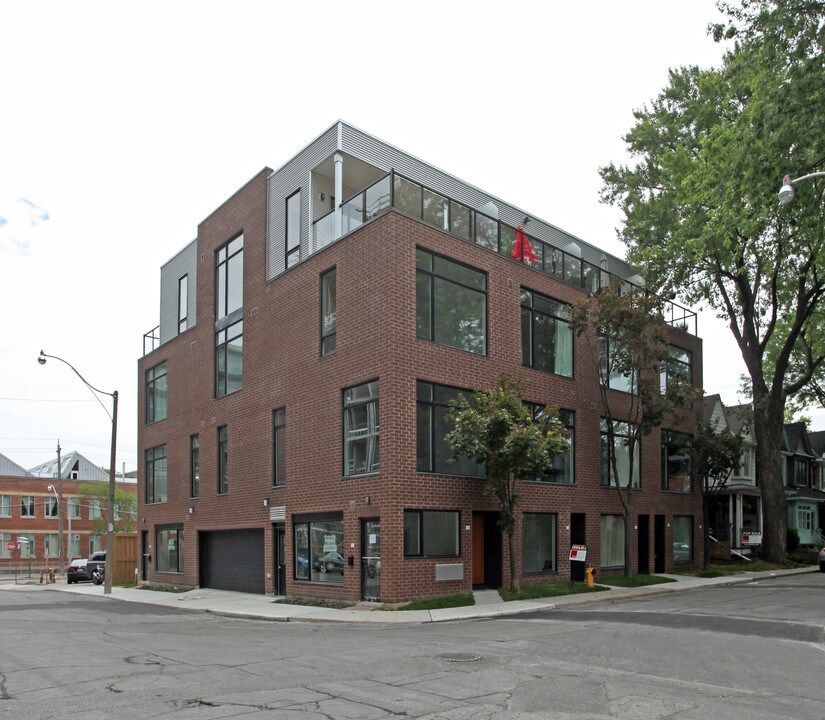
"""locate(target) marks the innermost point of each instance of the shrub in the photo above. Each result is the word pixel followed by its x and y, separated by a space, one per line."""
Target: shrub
pixel 792 541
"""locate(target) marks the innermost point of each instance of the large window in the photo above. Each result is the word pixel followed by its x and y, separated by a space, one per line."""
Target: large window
pixel 95 509
pixel 361 429
pixel 562 469
pixel 293 228
pixel 612 359
pixel 74 507
pixel 451 303
pixel 223 460
pixel 329 311
pixel 319 549
pixel 612 541
pixel 5 505
pixel 623 440
pixel 195 466
pixel 678 367
pixel 682 539
pixel 279 446
pixel 229 359
pixel 546 336
pixel 183 303
pixel 51 545
pixel 156 477
pixel 431 533
pixel 27 506
pixel 169 544
pixel 5 538
pixel 538 543
pixel 434 452
pixel 156 393
pixel 229 317
pixel 50 506
pixel 676 464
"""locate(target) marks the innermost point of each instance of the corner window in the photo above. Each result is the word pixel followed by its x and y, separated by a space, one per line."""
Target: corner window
pixel 451 303
pixel 27 506
pixel 183 303
pixel 195 466
pixel 293 229
pixel 433 451
pixel 279 446
pixel 612 541
pixel 431 533
pixel 156 477
pixel 223 460
pixel 546 335
pixel 361 429
pixel 676 464
pixel 229 359
pixel 682 539
pixel 156 393
pixel 538 543
pixel 319 549
pixel 622 441
pixel 329 311
pixel 169 549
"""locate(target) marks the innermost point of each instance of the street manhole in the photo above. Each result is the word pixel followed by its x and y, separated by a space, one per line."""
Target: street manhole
pixel 459 657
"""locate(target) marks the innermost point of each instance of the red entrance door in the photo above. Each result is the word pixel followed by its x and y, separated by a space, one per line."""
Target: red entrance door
pixel 478 550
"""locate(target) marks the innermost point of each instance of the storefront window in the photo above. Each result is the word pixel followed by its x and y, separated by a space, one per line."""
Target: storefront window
pixel 319 550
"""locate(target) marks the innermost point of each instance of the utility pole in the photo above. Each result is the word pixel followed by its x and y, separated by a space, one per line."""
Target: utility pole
pixel 60 545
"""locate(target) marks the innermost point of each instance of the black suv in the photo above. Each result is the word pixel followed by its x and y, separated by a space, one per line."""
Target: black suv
pixel 96 562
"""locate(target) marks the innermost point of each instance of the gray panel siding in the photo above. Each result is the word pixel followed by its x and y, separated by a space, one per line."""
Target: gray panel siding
pixel 281 184
pixel 184 263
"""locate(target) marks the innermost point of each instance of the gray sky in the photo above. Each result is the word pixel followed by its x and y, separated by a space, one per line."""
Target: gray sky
pixel 124 125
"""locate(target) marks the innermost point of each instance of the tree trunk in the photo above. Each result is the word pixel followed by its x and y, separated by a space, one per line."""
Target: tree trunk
pixel 628 536
pixel 767 422
pixel 705 535
pixel 511 542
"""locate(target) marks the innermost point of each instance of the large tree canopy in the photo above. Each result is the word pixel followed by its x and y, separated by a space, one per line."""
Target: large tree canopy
pixel 701 211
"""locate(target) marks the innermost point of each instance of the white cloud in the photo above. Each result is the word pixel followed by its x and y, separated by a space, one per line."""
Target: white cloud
pixel 19 219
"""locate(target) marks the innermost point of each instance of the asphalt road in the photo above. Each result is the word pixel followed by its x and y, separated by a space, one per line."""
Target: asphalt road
pixel 753 651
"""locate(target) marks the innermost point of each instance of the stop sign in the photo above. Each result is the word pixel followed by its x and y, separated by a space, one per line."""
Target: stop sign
pixel 11 547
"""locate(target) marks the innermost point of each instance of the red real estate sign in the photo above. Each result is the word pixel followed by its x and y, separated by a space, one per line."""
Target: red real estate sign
pixel 578 552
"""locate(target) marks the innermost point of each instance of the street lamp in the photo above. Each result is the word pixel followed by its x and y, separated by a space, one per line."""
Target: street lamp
pixel 59 499
pixel 788 189
pixel 110 530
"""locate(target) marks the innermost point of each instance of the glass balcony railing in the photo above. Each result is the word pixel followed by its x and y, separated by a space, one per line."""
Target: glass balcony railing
pixel 419 201
pixel 151 340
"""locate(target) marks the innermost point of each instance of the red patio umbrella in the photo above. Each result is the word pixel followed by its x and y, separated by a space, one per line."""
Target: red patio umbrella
pixel 522 249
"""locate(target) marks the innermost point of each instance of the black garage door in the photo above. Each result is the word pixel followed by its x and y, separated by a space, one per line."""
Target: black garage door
pixel 232 560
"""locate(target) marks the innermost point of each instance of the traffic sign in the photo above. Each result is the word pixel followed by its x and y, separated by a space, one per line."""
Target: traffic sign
pixel 11 547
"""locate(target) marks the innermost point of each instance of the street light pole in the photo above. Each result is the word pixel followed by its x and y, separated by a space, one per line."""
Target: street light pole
pixel 788 189
pixel 59 526
pixel 110 529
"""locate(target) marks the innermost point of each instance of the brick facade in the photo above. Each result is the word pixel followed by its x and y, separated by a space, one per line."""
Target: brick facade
pixel 376 340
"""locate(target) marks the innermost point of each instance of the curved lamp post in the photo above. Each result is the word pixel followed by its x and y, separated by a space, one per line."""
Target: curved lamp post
pixel 110 529
pixel 788 189
pixel 59 499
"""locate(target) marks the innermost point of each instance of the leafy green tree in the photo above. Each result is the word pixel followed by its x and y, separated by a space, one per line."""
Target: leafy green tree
pixel 125 506
pixel 627 339
pixel 715 454
pixel 498 429
pixel 701 212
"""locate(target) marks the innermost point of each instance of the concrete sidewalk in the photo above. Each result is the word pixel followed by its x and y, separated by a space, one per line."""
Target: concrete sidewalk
pixel 263 607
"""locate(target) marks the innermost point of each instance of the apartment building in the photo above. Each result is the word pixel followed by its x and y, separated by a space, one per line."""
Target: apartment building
pixel 293 398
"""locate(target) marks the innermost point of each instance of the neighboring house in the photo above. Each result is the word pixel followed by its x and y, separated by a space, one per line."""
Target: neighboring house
pixel 805 499
pixel 293 399
pixel 29 511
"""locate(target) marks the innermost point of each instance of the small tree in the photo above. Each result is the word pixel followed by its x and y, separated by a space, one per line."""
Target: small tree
pixel 499 430
pixel 125 504
pixel 715 456
pixel 627 339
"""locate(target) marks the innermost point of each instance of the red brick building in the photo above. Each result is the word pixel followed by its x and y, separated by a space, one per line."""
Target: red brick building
pixel 293 397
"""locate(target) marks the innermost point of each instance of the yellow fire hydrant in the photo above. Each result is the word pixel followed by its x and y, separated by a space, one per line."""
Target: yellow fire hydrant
pixel 588 576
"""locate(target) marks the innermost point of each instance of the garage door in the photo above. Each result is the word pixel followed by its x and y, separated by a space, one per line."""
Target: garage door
pixel 232 560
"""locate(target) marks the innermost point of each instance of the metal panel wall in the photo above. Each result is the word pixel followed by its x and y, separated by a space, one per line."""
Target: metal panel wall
pixel 184 263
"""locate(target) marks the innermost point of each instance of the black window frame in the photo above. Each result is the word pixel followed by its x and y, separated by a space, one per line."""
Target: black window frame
pixel 183 303
pixel 348 406
pixel 224 285
pixel 153 378
pixel 223 460
pixel 226 338
pixel 669 441
pixel 530 312
pixel 555 554
pixel 604 458
pixel 195 466
pixel 568 420
pixel 279 447
pixel 292 254
pixel 154 458
pixel 329 328
pixel 314 574
pixel 422 550
pixel 179 557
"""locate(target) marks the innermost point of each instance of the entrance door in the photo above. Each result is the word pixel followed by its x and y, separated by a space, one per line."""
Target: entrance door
pixel 643 543
pixel 479 576
pixel 371 559
pixel 659 544
pixel 145 558
pixel 280 559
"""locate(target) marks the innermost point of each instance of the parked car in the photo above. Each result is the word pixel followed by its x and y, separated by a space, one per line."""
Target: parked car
pixel 822 560
pixel 77 571
pixel 681 552
pixel 332 562
pixel 96 562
